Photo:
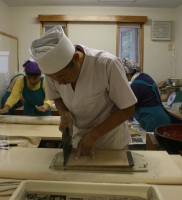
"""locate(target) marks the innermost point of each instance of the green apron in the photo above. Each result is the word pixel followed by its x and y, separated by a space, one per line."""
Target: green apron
pixel 33 98
pixel 5 97
pixel 154 116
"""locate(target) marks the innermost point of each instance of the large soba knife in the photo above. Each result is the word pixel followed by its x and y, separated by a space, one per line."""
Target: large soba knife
pixel 66 144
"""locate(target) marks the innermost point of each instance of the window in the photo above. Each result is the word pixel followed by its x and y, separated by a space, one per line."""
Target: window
pixel 47 26
pixel 137 21
pixel 129 42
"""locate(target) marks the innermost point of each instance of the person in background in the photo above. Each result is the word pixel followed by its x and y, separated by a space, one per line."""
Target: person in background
pixel 149 109
pixel 90 91
pixel 8 93
pixel 32 88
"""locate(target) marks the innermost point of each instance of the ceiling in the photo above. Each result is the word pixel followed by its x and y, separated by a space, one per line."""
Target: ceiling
pixel 128 3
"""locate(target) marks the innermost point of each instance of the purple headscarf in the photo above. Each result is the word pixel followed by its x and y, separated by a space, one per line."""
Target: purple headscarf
pixel 31 67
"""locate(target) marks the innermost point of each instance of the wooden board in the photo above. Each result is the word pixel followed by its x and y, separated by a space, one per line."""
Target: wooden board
pixel 39 120
pixel 46 132
pixel 31 163
pixel 106 158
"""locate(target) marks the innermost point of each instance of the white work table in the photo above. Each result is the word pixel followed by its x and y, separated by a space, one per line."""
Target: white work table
pixel 45 127
pixel 171 191
pixel 45 132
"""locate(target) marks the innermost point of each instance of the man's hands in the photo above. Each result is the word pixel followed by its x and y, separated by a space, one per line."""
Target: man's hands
pixel 87 142
pixel 86 146
pixel 43 108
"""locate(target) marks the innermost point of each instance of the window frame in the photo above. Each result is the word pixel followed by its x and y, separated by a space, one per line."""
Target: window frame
pixel 99 18
pixel 16 39
pixel 46 24
pixel 130 26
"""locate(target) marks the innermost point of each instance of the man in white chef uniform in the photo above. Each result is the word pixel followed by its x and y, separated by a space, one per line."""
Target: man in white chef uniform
pixel 90 90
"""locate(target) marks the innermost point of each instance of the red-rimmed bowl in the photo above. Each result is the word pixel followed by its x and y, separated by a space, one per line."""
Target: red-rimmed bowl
pixel 170 137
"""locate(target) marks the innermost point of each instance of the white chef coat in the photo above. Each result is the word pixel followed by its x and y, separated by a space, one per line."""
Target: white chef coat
pixel 101 88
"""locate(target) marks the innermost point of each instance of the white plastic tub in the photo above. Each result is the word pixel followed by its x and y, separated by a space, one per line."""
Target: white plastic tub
pixel 84 191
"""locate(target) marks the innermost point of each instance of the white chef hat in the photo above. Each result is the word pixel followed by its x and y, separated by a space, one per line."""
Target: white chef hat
pixel 52 51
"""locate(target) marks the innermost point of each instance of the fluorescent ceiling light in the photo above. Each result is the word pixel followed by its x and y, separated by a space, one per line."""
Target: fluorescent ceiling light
pixel 117 0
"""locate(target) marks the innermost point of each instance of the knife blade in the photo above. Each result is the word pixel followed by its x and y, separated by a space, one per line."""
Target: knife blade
pixel 66 144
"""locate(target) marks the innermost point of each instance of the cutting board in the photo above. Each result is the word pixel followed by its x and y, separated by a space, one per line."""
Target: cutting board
pixel 105 158
pixel 33 163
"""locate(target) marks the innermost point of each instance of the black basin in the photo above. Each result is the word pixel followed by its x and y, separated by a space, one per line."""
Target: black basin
pixel 170 137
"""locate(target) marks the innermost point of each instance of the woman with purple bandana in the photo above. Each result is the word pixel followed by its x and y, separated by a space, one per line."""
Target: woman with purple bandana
pixel 149 109
pixel 32 88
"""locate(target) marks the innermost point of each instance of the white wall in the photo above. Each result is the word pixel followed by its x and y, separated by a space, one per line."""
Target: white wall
pixel 4 17
pixel 157 58
pixel 178 40
pixel 4 27
pixel 94 35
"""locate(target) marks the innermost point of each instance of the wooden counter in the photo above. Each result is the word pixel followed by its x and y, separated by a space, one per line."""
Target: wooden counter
pixel 45 132
pixel 175 113
pixel 19 111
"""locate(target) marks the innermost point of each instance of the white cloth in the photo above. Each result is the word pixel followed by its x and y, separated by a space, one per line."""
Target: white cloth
pixel 53 51
pixel 134 77
pixel 101 88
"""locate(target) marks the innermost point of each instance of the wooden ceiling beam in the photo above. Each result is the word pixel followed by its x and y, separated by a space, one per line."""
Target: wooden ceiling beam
pixel 94 18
